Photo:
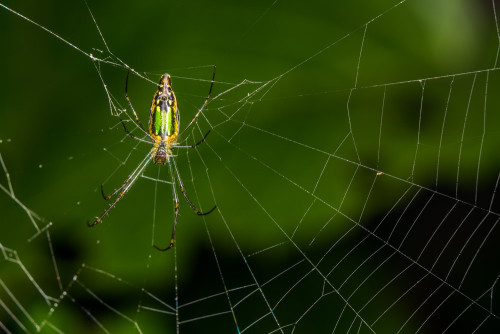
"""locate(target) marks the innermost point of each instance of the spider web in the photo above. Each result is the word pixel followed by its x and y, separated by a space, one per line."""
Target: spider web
pixel 352 158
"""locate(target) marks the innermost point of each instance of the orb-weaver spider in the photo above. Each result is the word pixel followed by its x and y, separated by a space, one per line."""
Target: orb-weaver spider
pixel 163 131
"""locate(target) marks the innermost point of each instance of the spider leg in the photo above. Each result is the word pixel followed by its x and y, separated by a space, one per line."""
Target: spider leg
pixel 132 136
pixel 183 191
pixel 126 130
pixel 194 145
pixel 137 120
pixel 107 197
pixel 204 103
pixel 129 182
pixel 176 213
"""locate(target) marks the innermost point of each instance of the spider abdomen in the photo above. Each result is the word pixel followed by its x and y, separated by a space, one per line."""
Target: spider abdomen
pixel 164 115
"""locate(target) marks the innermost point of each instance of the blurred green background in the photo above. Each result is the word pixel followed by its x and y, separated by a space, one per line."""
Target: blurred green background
pixel 291 85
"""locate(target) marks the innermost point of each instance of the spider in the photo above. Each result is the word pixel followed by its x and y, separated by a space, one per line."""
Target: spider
pixel 163 131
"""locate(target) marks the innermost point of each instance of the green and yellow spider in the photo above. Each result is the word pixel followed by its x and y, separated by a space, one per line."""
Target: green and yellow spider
pixel 163 132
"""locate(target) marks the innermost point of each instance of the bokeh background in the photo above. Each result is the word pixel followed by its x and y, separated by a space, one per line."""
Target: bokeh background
pixel 290 86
